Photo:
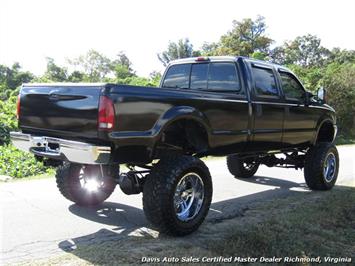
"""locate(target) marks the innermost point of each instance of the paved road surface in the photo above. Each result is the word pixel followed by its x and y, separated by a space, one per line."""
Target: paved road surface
pixel 36 221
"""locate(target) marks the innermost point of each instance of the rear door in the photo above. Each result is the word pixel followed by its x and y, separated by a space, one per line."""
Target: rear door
pixel 268 108
pixel 225 103
pixel 60 110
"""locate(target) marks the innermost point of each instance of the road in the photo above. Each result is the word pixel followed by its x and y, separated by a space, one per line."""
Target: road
pixel 36 221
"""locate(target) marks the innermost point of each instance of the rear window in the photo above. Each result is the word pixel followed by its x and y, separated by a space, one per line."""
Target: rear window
pixel 223 77
pixel 214 77
pixel 199 76
pixel 177 76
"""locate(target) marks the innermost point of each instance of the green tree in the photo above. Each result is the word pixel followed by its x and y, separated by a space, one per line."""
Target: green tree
pixel 246 37
pixel 305 51
pixel 55 72
pixel 341 56
pixel 155 78
pixel 311 77
pixel 339 80
pixel 181 49
pixel 12 77
pixel 122 67
pixel 210 49
pixel 77 76
pixel 94 65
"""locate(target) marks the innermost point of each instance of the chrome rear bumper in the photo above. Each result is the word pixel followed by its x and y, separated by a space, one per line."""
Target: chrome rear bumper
pixel 61 149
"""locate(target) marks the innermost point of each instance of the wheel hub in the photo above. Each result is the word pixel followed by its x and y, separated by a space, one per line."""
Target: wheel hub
pixel 188 198
pixel 90 182
pixel 329 167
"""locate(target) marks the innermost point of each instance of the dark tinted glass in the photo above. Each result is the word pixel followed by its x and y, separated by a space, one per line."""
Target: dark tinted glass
pixel 265 84
pixel 177 76
pixel 199 76
pixel 291 87
pixel 223 76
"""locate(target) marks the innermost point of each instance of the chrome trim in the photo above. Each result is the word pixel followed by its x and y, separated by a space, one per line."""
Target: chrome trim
pixel 278 103
pixel 64 84
pixel 319 107
pixel 225 100
pixel 73 151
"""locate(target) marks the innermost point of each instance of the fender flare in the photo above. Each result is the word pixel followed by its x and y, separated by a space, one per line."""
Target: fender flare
pixel 178 113
pixel 320 123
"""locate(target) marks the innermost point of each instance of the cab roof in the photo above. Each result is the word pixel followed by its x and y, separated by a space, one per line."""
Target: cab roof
pixel 202 59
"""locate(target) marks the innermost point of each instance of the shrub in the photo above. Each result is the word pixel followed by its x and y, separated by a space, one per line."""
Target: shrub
pixel 8 121
pixel 19 164
pixel 14 162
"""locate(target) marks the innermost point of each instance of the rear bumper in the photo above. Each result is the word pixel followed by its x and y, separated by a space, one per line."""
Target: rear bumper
pixel 61 149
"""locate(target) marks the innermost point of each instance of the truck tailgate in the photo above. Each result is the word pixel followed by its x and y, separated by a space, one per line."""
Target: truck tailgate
pixel 60 110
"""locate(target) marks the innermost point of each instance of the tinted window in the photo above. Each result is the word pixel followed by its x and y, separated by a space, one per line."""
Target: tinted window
pixel 199 76
pixel 290 86
pixel 265 84
pixel 177 76
pixel 223 76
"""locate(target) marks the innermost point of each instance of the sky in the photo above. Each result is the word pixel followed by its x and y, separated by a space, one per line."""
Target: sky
pixel 32 30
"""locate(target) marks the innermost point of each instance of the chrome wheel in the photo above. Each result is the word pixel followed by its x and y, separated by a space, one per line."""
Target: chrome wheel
pixel 85 184
pixel 329 168
pixel 249 166
pixel 89 181
pixel 188 197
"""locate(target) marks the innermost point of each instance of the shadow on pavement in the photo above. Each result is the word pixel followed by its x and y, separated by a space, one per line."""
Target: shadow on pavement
pixel 127 219
pixel 275 182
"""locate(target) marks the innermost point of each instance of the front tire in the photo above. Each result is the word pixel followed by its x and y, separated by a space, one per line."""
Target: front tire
pixel 84 184
pixel 321 166
pixel 242 168
pixel 177 194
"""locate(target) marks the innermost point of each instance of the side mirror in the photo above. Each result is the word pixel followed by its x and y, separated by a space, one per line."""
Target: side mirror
pixel 322 94
pixel 307 97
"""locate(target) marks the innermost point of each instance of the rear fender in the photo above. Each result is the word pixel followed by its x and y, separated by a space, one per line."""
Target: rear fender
pixel 178 113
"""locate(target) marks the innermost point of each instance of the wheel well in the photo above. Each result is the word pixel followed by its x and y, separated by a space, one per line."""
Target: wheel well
pixel 325 133
pixel 188 135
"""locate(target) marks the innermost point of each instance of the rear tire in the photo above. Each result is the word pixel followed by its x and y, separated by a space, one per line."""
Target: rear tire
pixel 83 184
pixel 321 166
pixel 177 194
pixel 241 168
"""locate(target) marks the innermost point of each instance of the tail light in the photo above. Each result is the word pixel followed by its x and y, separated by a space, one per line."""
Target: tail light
pixel 106 114
pixel 18 106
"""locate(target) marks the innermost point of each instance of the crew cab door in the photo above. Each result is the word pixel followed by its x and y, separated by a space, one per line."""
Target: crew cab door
pixel 268 109
pixel 224 102
pixel 300 120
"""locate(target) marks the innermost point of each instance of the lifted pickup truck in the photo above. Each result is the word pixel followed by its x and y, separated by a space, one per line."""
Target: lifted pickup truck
pixel 251 111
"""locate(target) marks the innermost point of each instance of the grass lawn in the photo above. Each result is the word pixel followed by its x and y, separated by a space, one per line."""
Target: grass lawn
pixel 304 225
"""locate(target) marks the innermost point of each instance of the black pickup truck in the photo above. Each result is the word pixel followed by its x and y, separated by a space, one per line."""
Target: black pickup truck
pixel 251 111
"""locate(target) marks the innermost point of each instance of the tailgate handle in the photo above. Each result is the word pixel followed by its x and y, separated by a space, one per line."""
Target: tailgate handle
pixel 55 96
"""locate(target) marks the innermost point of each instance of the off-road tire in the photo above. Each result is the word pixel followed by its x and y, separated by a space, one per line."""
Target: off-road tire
pixel 68 183
pixel 314 166
pixel 237 168
pixel 159 189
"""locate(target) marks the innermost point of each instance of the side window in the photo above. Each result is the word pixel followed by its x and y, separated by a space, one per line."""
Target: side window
pixel 265 83
pixel 177 76
pixel 291 87
pixel 223 77
pixel 199 76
